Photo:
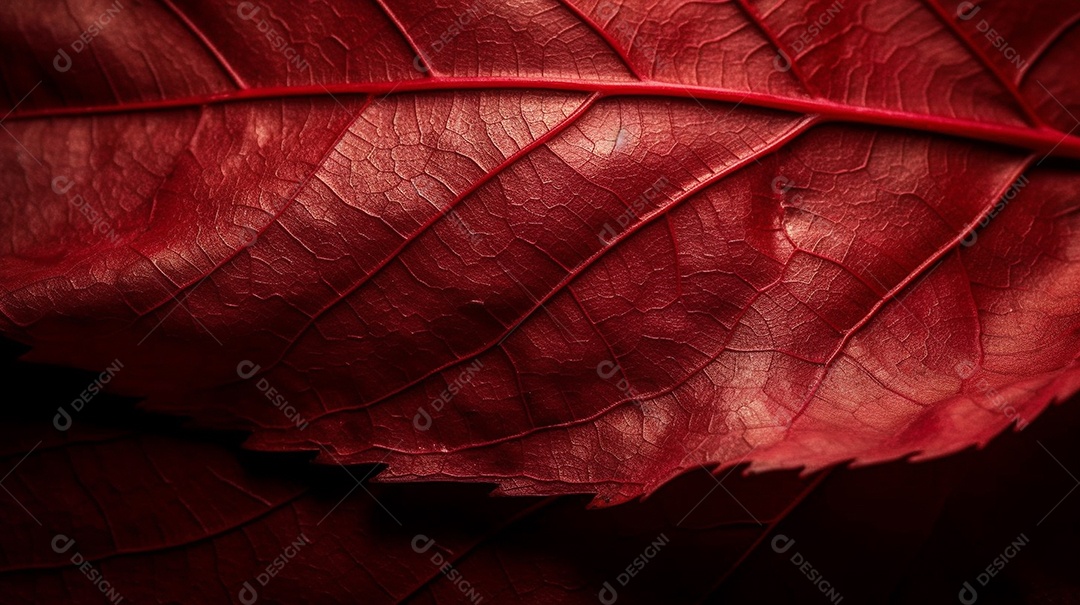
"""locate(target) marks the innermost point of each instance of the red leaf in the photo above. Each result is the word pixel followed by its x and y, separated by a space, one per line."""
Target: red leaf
pixel 597 245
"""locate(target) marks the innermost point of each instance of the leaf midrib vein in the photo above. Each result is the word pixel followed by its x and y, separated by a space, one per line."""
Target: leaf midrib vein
pixel 1037 139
